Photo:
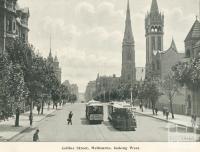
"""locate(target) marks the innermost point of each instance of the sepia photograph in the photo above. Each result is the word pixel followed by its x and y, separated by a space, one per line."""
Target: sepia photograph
pixel 99 71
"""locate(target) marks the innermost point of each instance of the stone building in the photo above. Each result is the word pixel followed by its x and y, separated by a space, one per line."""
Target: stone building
pixel 55 64
pixel 73 88
pixel 13 23
pixel 192 50
pixel 164 60
pixel 154 27
pixel 90 90
pixel 106 83
pixel 158 60
pixel 128 72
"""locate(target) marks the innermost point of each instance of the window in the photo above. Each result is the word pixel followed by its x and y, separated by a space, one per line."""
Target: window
pixel 159 43
pixel 14 26
pixel 153 41
pixel 9 25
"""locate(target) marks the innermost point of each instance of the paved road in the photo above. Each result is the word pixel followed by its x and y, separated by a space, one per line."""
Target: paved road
pixel 55 128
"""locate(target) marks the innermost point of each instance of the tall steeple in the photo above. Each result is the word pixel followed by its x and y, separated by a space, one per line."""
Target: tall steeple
pixel 128 72
pixel 154 33
pixel 50 57
pixel 154 7
pixel 50 54
pixel 128 34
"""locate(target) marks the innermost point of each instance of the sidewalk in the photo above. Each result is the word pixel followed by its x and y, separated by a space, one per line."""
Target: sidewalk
pixel 9 131
pixel 178 120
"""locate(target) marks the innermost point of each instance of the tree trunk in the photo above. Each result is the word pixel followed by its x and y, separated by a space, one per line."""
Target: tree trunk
pixel 171 108
pixel 153 107
pixel 17 118
pixel 42 106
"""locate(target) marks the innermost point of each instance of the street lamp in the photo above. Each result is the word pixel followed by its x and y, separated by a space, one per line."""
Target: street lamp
pixel 131 95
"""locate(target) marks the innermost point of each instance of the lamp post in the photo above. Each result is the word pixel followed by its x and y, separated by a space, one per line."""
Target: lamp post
pixel 131 95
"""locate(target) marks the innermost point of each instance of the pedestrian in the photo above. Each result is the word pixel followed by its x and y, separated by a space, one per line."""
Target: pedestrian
pixel 31 118
pixel 48 105
pixel 145 105
pixel 156 110
pixel 167 114
pixel 195 117
pixel 36 136
pixel 3 115
pixel 38 108
pixel 70 118
pixel 163 111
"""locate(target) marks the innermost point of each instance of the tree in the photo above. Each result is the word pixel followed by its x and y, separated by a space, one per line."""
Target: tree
pixel 17 88
pixel 151 92
pixel 170 88
pixel 188 73
pixel 4 81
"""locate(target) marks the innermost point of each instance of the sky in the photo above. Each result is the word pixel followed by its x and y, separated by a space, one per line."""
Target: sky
pixel 87 34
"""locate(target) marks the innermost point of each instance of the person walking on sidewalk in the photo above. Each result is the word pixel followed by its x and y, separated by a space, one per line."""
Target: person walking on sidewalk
pixel 156 110
pixel 70 118
pixel 167 114
pixel 194 121
pixel 38 108
pixel 36 136
pixel 31 118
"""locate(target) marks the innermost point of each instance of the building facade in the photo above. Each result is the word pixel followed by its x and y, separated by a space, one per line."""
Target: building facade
pixel 154 29
pixel 106 84
pixel 90 90
pixel 13 23
pixel 165 60
pixel 128 72
pixel 192 50
pixel 73 88
pixel 55 65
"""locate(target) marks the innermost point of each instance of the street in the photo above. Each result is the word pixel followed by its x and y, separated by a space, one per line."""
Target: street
pixel 55 128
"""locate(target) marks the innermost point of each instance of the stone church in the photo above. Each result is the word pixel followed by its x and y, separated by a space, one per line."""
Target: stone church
pixel 158 60
pixel 55 64
pixel 128 72
pixel 192 50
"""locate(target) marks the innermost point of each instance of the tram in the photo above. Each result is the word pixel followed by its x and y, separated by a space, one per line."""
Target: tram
pixel 121 115
pixel 94 111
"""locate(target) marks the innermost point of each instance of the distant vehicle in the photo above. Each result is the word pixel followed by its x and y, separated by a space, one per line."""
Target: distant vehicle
pixel 121 115
pixel 94 111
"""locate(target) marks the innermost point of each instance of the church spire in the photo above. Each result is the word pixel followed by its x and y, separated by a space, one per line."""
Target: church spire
pixel 173 45
pixel 128 34
pixel 50 54
pixel 154 7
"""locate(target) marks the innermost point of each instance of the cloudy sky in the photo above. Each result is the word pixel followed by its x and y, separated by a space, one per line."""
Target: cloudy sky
pixel 87 34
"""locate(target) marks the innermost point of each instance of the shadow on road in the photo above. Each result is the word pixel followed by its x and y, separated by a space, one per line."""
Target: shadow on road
pixel 10 128
pixel 109 126
pixel 28 130
pixel 50 115
pixel 84 121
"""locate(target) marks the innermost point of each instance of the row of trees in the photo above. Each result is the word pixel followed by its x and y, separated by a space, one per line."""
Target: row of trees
pixel 147 92
pixel 26 76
